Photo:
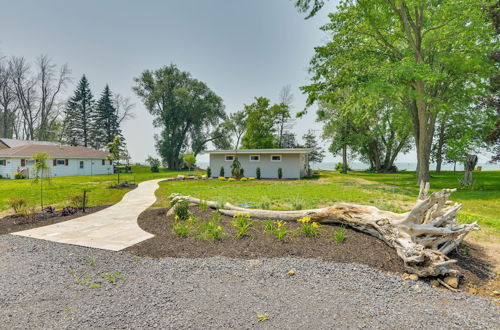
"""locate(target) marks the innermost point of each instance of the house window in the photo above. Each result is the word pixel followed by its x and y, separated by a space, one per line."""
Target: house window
pixel 254 158
pixel 60 162
pixel 229 158
pixel 3 162
pixel 81 164
pixel 103 162
pixel 276 158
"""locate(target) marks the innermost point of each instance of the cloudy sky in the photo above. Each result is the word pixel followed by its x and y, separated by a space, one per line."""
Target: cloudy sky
pixel 240 48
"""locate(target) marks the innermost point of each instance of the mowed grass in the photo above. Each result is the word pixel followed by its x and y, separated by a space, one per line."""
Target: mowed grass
pixel 392 192
pixel 58 191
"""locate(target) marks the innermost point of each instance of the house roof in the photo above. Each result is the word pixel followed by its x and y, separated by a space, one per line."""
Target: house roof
pixel 54 151
pixel 12 143
pixel 261 151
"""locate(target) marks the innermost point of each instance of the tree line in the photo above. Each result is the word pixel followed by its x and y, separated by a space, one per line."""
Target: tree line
pixel 407 74
pixel 190 116
pixel 33 105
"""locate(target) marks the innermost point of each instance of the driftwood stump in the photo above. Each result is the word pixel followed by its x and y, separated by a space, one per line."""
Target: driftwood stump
pixel 422 237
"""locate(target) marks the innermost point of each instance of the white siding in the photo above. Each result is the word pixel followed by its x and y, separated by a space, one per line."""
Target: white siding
pixel 91 167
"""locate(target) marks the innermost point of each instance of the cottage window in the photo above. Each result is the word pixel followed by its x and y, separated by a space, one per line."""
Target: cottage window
pixel 60 162
pixel 254 158
pixel 81 164
pixel 276 158
pixel 229 158
pixel 3 162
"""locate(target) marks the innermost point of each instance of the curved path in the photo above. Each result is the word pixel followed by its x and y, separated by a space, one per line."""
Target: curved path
pixel 114 228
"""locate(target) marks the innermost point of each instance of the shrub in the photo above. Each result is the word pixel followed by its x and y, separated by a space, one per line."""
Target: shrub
pixel 77 201
pixel 49 209
pixel 339 167
pixel 280 173
pixel 181 210
pixel 242 223
pixel 243 179
pixel 257 174
pixel 339 235
pixel 221 172
pixel 19 176
pixel 231 179
pixel 17 204
pixel 309 229
pixel 29 214
pixel 242 172
pixel 68 210
pixel 221 178
pixel 209 172
pixel 251 178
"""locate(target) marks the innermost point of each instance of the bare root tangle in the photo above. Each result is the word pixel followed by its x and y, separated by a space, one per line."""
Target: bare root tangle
pixel 422 237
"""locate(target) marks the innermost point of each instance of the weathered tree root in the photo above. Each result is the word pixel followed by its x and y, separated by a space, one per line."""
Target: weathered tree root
pixel 422 237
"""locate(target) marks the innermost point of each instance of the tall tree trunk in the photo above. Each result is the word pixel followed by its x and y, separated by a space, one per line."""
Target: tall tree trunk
pixel 439 151
pixel 469 165
pixel 344 159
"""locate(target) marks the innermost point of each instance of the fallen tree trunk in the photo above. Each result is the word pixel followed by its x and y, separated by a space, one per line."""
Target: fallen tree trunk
pixel 422 237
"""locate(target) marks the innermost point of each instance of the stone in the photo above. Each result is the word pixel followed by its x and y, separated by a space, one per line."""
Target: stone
pixel 451 281
pixel 435 283
pixel 412 277
pixel 291 272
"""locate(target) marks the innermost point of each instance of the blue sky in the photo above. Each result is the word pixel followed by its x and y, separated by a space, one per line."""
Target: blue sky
pixel 240 48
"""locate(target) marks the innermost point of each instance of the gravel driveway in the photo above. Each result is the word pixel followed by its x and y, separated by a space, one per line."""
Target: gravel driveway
pixel 38 290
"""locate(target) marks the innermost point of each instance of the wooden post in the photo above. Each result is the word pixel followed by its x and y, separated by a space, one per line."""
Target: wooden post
pixel 84 199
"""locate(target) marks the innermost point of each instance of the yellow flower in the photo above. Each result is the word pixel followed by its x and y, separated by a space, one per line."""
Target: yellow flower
pixel 315 225
pixel 304 219
pixel 280 223
pixel 176 217
pixel 219 228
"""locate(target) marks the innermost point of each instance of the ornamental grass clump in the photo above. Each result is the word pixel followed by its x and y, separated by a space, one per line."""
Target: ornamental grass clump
pixel 242 223
pixel 17 204
pixel 339 235
pixel 212 229
pixel 181 210
pixel 309 228
pixel 203 205
pixel 268 226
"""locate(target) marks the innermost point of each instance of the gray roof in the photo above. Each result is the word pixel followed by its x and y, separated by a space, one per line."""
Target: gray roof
pixel 54 151
pixel 261 151
pixel 12 143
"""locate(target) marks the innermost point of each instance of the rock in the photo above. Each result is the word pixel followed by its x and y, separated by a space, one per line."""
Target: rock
pixel 435 283
pixel 451 281
pixel 291 272
pixel 412 277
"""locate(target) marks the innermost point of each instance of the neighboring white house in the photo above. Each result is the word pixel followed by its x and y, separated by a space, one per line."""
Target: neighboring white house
pixel 64 160
pixel 293 162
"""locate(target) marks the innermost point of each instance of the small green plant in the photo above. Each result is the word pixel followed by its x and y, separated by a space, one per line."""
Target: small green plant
pixel 268 226
pixel 113 277
pixel 242 223
pixel 209 172
pixel 221 172
pixel 17 204
pixel 181 210
pixel 77 201
pixel 309 228
pixel 67 309
pixel 257 174
pixel 280 230
pixel 28 214
pixel 19 176
pixel 92 262
pixel 203 205
pixel 339 235
pixel 262 317
pixel 211 229
pixel 220 203
pixel 297 203
pixel 88 282
pixel 181 228
pixel 280 173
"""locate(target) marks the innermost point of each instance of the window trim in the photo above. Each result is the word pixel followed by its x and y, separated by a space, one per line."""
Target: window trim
pixel 60 162
pixel 251 160
pixel 276 161
pixel 229 160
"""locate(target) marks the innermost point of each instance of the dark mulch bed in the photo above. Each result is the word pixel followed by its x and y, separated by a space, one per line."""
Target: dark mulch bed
pixel 13 223
pixel 125 185
pixel 357 248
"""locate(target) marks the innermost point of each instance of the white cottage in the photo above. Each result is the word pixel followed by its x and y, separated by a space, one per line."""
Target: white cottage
pixel 64 160
pixel 294 162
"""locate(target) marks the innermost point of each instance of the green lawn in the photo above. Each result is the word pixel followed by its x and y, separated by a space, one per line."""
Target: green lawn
pixel 393 192
pixel 58 191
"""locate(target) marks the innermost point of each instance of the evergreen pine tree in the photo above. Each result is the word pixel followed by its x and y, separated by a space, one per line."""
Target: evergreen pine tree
pixel 317 154
pixel 79 112
pixel 105 125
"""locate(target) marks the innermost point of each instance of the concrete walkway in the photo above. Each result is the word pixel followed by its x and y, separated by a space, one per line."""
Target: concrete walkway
pixel 114 228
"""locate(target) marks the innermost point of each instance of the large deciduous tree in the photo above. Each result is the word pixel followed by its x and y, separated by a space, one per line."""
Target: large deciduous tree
pixel 79 114
pixel 184 108
pixel 410 50
pixel 260 130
